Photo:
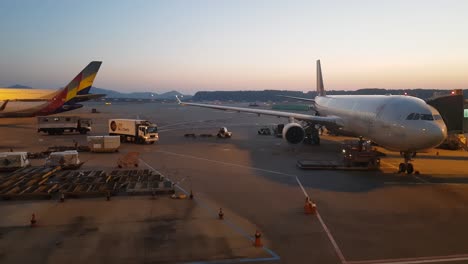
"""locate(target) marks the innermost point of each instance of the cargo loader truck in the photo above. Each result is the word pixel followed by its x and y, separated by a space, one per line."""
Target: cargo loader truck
pixel 134 130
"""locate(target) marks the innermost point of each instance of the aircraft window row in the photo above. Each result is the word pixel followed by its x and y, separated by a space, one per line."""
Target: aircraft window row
pixel 416 116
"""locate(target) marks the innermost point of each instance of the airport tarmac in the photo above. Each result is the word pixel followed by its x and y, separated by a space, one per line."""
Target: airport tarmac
pixel 363 217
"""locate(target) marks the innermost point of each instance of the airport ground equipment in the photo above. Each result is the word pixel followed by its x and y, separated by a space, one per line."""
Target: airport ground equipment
pixel 10 161
pixel 264 131
pixel 134 130
pixel 311 135
pixel 67 159
pixel 455 142
pixel 129 160
pixel 57 125
pixel 278 130
pixel 46 153
pixel 49 182
pixel 103 143
pixel 224 133
pixel 357 155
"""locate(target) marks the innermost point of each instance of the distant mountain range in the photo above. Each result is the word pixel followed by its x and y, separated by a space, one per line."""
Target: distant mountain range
pixel 137 95
pixel 19 86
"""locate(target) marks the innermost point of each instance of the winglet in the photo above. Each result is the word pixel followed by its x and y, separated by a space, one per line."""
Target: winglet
pixel 4 105
pixel 320 87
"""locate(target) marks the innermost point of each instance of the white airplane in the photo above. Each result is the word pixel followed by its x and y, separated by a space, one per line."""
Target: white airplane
pixel 396 122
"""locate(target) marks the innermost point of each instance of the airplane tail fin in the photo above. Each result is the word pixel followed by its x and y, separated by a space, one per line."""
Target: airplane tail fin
pixel 88 75
pixel 82 82
pixel 320 88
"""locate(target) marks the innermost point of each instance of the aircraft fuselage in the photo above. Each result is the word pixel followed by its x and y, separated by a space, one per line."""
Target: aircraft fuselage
pixel 384 120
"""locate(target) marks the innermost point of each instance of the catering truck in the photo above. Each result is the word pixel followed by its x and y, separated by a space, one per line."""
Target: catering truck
pixel 57 125
pixel 134 130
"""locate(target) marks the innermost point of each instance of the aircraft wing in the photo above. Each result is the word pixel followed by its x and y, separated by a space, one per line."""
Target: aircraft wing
pixel 299 98
pixel 333 121
pixel 87 97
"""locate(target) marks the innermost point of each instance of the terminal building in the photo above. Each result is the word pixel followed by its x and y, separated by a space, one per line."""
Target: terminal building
pixel 454 110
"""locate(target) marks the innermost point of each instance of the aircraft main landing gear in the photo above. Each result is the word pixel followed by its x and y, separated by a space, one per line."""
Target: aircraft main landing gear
pixel 406 166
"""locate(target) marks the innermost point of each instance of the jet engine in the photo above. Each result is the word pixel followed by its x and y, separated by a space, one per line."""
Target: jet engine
pixel 293 133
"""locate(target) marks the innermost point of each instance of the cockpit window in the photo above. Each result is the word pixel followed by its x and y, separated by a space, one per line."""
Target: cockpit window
pixel 426 117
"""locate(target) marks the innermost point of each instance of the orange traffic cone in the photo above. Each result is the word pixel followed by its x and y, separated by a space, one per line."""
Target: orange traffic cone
pixel 258 239
pixel 33 220
pixel 313 207
pixel 309 207
pixel 220 214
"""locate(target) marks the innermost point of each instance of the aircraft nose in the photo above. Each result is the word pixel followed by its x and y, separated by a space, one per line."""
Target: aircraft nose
pixel 437 133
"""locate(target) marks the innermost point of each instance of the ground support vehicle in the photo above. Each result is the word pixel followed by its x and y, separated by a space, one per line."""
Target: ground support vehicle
pixel 134 130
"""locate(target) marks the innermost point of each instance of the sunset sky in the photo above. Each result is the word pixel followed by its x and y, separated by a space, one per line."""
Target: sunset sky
pixel 196 45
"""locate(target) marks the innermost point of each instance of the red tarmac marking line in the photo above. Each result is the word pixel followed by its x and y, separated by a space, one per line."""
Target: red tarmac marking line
pixel 418 260
pixel 325 228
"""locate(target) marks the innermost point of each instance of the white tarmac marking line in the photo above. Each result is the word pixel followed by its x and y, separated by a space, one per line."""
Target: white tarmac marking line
pixel 421 179
pixel 414 176
pixel 419 260
pixel 224 163
pixel 324 226
pixel 207 126
pixel 338 251
pixel 302 187
pixel 388 164
pixel 274 256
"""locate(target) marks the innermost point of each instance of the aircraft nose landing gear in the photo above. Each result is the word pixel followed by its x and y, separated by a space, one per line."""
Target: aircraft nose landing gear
pixel 407 166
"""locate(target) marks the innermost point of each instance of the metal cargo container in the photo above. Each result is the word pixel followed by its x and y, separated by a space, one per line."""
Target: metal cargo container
pixel 103 143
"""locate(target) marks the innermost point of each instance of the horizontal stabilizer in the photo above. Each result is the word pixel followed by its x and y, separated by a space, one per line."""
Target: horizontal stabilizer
pixel 87 97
